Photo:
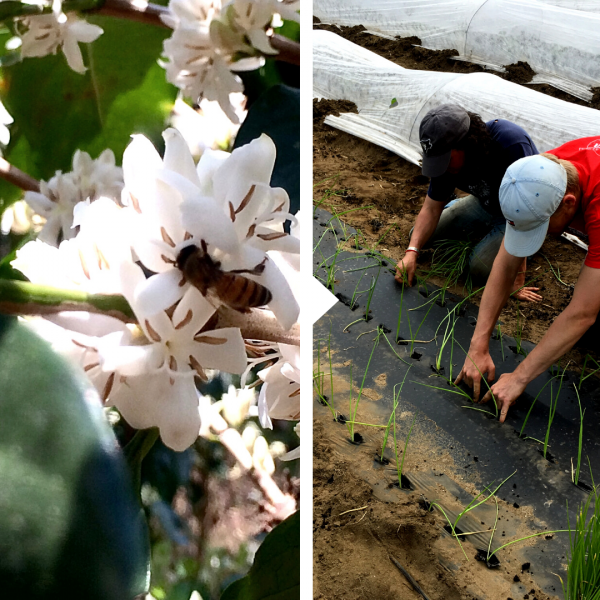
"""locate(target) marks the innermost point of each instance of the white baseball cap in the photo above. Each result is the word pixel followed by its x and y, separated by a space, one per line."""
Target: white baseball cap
pixel 531 191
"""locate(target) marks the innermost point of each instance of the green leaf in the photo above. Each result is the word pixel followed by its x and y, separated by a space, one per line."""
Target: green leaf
pixel 275 573
pixel 57 111
pixel 68 518
pixel 277 113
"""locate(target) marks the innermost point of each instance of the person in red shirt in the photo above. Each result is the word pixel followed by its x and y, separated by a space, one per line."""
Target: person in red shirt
pixel 540 195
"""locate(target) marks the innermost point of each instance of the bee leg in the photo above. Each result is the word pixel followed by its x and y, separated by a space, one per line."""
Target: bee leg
pixel 258 269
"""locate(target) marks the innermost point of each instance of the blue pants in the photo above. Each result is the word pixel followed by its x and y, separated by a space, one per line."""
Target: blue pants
pixel 465 219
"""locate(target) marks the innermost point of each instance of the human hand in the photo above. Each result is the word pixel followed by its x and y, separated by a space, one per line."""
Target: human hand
pixel 527 294
pixel 476 365
pixel 406 268
pixel 506 391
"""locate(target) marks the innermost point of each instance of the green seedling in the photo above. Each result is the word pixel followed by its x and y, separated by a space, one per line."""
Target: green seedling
pixel 403 277
pixel 575 476
pixel 472 504
pixel 519 332
pixel 448 334
pixel 356 293
pixel 531 408
pixel 345 212
pixel 413 337
pixel 583 574
pixel 393 103
pixel 382 333
pixel 392 226
pixel 393 415
pixel 585 360
pixel 371 292
pixel 553 405
pixel 362 385
pixel 330 368
pixel 319 380
pixel 454 534
pixel 449 261
pixel 493 532
pixel 400 464
pixel 556 272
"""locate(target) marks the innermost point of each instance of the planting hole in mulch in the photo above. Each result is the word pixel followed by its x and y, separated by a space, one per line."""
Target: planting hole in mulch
pixel 384 328
pixel 482 556
pixel 416 355
pixel 401 341
pixel 340 418
pixel 584 486
pixel 439 371
pixel 357 439
pixel 549 457
pixel 406 483
pixel 457 530
pixel 322 400
pixel 381 460
pixel 425 505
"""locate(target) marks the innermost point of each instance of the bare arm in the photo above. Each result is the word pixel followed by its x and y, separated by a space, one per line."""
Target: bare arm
pixel 427 220
pixel 495 295
pixel 562 335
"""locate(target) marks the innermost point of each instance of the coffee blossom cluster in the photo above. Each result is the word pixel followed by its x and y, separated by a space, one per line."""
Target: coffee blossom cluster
pixel 224 217
pixel 212 41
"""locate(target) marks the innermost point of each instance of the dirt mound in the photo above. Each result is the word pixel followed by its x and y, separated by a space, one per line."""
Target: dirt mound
pixel 323 108
pixel 408 53
pixel 519 72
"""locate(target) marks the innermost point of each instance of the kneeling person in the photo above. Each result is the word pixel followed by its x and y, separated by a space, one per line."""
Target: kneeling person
pixel 540 195
pixel 461 151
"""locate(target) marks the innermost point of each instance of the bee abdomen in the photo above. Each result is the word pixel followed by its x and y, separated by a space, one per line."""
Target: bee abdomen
pixel 241 293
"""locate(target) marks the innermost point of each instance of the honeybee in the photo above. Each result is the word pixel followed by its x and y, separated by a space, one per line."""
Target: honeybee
pixel 231 288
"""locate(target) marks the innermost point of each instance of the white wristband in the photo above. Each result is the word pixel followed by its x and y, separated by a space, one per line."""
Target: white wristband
pixel 413 249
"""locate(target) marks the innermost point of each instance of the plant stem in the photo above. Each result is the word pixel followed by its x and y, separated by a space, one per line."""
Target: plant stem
pixel 581 415
pixel 24 298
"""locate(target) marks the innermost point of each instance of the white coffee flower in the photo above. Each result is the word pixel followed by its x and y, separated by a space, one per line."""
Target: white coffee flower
pixel 220 213
pixel 280 393
pixel 47 33
pixel 91 261
pixel 57 198
pixel 200 53
pixel 254 18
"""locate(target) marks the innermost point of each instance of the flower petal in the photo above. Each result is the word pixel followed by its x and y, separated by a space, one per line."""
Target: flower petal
pixel 252 163
pixel 177 156
pixel 159 292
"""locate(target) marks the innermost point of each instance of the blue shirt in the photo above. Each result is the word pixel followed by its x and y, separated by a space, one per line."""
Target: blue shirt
pixel 483 181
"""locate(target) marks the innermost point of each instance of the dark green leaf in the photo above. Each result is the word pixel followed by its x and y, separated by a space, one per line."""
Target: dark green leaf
pixel 68 518
pixel 57 111
pixel 277 113
pixel 275 573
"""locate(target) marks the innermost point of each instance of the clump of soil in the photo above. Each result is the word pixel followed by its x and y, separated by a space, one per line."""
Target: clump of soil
pixel 322 108
pixel 519 72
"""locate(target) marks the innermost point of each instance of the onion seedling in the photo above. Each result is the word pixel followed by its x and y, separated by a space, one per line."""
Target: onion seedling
pixel 582 378
pixel 370 296
pixel 531 408
pixel 400 465
pixel 583 574
pixel 403 275
pixel 362 385
pixel 393 415
pixel 556 272
pixel 553 405
pixel 575 476
pixel 319 380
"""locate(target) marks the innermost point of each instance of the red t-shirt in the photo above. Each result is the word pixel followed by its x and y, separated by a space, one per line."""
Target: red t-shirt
pixel 584 153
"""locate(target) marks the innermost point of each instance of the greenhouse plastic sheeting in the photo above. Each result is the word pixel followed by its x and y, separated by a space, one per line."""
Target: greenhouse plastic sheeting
pixel 589 5
pixel 560 44
pixel 344 71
